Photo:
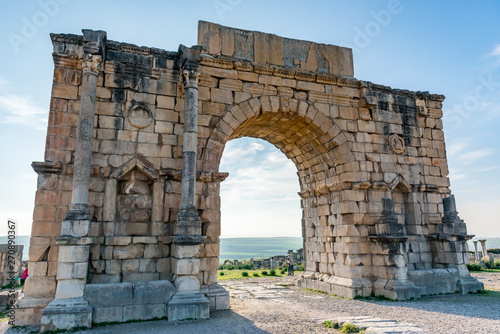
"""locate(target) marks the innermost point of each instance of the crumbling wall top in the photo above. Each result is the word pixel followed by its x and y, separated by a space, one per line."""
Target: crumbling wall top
pixel 262 48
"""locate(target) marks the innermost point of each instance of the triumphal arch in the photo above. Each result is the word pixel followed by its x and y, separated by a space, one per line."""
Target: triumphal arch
pixel 127 214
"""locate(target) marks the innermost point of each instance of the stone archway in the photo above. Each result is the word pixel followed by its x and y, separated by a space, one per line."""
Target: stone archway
pixel 368 157
pixel 300 134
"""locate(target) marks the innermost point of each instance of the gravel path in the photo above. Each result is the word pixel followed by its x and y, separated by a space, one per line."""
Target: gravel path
pixel 277 305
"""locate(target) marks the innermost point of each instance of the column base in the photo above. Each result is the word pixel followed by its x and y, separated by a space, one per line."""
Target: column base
pixel 188 306
pixel 396 289
pixel 218 297
pixel 29 310
pixel 66 314
pixel 340 286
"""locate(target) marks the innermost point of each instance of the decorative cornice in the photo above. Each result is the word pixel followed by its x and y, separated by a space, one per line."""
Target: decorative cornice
pixel 206 177
pixel 45 167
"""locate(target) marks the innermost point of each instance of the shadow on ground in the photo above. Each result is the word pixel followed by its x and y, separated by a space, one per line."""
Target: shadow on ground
pixel 482 305
pixel 224 322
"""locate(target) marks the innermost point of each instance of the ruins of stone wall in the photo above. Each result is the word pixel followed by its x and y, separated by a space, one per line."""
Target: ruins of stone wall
pixel 10 263
pixel 370 159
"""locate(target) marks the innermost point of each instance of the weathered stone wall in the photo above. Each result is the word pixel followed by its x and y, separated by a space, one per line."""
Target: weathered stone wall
pixel 370 159
pixel 120 302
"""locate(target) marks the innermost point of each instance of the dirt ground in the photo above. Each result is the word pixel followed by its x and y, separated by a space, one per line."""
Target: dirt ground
pixel 277 305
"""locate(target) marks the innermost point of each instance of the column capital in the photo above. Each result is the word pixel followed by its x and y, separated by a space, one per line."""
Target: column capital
pixel 191 78
pixel 91 63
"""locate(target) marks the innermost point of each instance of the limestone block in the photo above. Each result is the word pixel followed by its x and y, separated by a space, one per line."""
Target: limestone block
pixel 109 295
pixel 118 241
pixel 68 92
pixel 71 288
pixel 186 284
pixel 130 266
pixel 38 269
pixel 165 102
pixel 73 253
pixel 230 84
pixel 305 85
pixel 145 240
pixel 348 112
pixel 152 251
pixel 185 266
pixel 184 251
pixel 209 263
pixel 154 292
pixel 40 287
pixel 107 314
pixel 140 277
pixel 163 265
pixel 144 312
pixel 105 279
pixel 212 250
pixel 128 252
pixel 147 265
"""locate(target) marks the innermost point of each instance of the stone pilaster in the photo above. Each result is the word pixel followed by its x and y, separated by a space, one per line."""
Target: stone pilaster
pixel 188 302
pixel 70 309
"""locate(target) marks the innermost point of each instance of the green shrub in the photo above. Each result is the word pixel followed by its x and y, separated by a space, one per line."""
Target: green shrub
pixel 497 264
pixel 474 266
pixel 331 324
pixel 256 275
pixel 349 328
pixel 272 272
pixel 264 272
pixel 221 273
pixel 283 271
pixel 488 264
pixel 244 274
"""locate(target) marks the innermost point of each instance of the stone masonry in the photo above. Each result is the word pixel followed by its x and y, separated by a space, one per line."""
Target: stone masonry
pixel 128 194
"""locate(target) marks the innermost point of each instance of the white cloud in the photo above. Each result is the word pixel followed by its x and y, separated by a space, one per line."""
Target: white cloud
pixel 486 169
pixel 456 175
pixel 18 109
pixel 471 156
pixel 496 51
pixel 457 146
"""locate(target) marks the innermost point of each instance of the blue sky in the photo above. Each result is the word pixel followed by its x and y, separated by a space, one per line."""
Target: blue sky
pixel 445 47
